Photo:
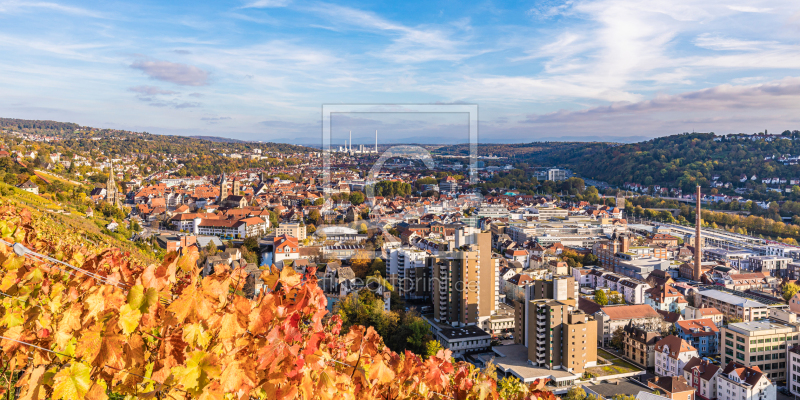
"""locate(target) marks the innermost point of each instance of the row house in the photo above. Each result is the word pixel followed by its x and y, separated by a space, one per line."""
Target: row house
pixel 702 334
pixel 671 355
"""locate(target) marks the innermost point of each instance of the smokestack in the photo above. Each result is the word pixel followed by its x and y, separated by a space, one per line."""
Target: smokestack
pixel 697 251
pixel 376 141
pixel 351 141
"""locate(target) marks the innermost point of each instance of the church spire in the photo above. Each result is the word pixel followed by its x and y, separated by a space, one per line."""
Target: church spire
pixel 112 195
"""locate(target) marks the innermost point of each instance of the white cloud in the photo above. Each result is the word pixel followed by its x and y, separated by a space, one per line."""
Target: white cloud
pixel 749 9
pixel 10 6
pixel 267 4
pixel 716 42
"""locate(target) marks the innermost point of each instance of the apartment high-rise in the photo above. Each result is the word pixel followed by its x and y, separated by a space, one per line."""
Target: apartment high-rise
pixel 557 288
pixel 560 336
pixel 464 284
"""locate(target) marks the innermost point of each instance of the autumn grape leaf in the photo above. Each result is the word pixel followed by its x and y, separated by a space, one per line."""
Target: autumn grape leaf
pixel 128 319
pixel 12 318
pixel 381 372
pixel 237 375
pixel 72 382
pixel 97 391
pixel 200 368
pixel 35 389
pixel 290 277
pixel 189 257
pixel 194 334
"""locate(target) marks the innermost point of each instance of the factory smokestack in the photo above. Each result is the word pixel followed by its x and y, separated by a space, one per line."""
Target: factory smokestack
pixel 351 142
pixel 376 141
pixel 698 253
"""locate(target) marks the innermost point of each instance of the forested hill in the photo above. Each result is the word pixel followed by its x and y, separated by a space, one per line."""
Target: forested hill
pixel 683 161
pixel 76 137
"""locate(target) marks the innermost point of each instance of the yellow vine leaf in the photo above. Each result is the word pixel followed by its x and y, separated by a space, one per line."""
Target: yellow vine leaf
pixel 72 382
pixel 129 319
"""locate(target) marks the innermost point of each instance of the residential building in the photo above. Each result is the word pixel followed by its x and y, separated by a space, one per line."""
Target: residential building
pixel 732 304
pixel 776 266
pixel 407 272
pixel 285 248
pixel 464 285
pixel 559 288
pixel 703 313
pixel 673 387
pixel 761 344
pixel 671 355
pixel 559 336
pixel 231 228
pixel 740 382
pixel 294 229
pixel 29 186
pixel 702 334
pixel 639 344
pixel 666 298
pixel 702 374
pixel 611 318
pixel 793 370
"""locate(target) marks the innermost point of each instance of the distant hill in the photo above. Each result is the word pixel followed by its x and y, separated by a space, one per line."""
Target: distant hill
pixel 218 139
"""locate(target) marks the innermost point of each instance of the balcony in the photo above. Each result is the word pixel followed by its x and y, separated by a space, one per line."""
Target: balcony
pixel 541 336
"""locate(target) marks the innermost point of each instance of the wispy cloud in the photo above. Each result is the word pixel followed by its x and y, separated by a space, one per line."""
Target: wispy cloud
pixel 267 4
pixel 179 74
pixel 11 6
pixel 150 90
pixel 749 9
pixel 716 42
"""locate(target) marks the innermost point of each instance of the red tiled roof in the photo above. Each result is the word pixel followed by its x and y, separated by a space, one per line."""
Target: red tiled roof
pixel 630 312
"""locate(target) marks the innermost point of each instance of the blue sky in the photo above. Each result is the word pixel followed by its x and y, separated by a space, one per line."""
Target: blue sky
pixel 544 70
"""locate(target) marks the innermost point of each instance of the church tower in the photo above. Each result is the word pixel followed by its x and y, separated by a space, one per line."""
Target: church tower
pixel 237 187
pixel 223 188
pixel 112 195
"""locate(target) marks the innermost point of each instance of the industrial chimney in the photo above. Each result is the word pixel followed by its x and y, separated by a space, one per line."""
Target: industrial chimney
pixel 376 141
pixel 697 251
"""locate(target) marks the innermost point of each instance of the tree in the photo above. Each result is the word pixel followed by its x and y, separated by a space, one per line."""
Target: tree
pixel 600 297
pixel 314 217
pixel 360 264
pixel 432 347
pixel 575 393
pixel 789 290
pixel 617 338
pixel 356 198
pixel 251 243
pixel 362 229
pixel 212 248
pixel 590 259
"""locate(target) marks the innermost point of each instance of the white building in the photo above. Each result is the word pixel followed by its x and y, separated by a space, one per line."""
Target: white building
pixel 672 354
pixel 737 382
pixel 406 272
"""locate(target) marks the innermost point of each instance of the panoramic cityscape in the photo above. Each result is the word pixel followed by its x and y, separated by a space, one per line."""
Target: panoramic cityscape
pixel 578 200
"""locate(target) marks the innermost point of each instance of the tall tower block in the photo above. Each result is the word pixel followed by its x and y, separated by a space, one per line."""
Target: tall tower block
pixel 698 253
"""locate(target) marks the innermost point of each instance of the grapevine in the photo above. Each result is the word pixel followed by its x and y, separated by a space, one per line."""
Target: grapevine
pixel 163 332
